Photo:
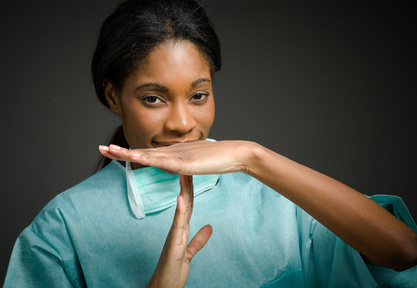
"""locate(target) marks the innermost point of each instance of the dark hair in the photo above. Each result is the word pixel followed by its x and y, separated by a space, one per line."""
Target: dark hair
pixel 134 29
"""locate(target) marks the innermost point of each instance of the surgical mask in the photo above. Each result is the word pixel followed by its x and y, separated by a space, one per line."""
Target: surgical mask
pixel 151 190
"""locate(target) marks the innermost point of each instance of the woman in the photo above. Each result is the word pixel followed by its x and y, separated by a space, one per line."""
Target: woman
pixel 154 65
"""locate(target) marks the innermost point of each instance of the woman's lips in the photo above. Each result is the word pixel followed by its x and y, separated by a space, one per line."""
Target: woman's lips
pixel 169 143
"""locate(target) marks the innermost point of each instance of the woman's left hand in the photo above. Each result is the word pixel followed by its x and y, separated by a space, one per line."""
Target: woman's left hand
pixel 192 158
pixel 174 263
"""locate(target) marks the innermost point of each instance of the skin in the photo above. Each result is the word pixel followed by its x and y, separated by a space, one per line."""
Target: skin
pixel 168 100
pixel 363 224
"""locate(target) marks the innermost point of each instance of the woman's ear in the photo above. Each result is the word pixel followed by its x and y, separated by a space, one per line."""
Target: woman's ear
pixel 112 97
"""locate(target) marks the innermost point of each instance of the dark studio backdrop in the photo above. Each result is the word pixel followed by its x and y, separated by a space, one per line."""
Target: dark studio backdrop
pixel 328 85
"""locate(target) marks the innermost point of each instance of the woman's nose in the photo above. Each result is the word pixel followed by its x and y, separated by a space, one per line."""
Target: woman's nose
pixel 181 119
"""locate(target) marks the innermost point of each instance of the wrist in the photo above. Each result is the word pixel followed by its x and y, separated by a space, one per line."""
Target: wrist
pixel 253 154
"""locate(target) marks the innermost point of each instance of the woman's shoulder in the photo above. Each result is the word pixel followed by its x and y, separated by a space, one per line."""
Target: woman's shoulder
pixel 105 181
pixel 100 191
pixel 69 224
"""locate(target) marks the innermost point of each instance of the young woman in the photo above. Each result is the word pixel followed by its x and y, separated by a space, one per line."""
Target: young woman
pixel 273 222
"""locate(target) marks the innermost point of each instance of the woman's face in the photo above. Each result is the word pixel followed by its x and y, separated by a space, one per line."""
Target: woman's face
pixel 169 99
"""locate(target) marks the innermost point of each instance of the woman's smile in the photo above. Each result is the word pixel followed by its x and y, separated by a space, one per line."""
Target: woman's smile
pixel 157 144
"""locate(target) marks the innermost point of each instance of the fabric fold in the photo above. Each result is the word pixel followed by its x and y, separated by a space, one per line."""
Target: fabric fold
pixel 152 190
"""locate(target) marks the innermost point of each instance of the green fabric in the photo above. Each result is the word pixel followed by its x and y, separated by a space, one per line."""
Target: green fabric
pixel 89 236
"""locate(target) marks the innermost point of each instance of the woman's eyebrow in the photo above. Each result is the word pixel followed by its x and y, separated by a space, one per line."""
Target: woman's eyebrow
pixel 165 89
pixel 198 81
pixel 154 85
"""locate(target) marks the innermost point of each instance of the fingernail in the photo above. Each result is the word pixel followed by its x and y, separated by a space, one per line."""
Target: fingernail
pixel 115 147
pixel 103 148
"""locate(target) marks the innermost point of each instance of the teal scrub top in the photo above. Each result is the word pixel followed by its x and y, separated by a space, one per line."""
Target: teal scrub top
pixel 89 236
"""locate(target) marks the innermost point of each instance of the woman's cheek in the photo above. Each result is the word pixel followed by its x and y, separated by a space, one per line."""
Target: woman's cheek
pixel 149 120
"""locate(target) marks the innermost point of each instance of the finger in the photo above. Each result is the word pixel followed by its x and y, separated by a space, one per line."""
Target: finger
pixel 175 244
pixel 105 151
pixel 122 154
pixel 146 157
pixel 179 224
pixel 199 241
pixel 187 192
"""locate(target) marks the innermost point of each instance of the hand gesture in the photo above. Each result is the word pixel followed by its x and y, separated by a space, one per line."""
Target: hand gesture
pixel 174 262
pixel 194 158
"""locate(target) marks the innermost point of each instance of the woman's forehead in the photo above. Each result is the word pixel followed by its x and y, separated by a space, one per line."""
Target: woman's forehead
pixel 173 60
pixel 173 65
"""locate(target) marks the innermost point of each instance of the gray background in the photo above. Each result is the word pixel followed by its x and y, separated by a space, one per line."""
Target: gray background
pixel 329 86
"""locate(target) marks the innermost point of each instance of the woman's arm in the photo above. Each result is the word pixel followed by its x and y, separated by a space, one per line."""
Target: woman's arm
pixel 363 224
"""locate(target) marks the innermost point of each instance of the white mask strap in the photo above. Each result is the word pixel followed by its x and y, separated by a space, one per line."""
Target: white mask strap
pixel 135 200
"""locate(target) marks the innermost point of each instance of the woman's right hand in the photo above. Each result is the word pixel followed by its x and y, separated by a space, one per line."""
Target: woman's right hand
pixel 174 263
pixel 190 158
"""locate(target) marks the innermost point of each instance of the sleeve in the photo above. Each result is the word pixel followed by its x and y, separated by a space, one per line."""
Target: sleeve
pixel 330 262
pixel 35 263
pixel 388 277
pixel 44 255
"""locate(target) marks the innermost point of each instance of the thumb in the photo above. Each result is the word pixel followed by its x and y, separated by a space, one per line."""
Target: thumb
pixel 199 240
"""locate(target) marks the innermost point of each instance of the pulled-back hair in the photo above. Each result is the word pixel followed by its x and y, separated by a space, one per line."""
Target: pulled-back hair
pixel 134 29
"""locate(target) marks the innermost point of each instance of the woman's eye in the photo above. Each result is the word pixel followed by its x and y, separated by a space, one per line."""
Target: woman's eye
pixel 151 100
pixel 199 97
